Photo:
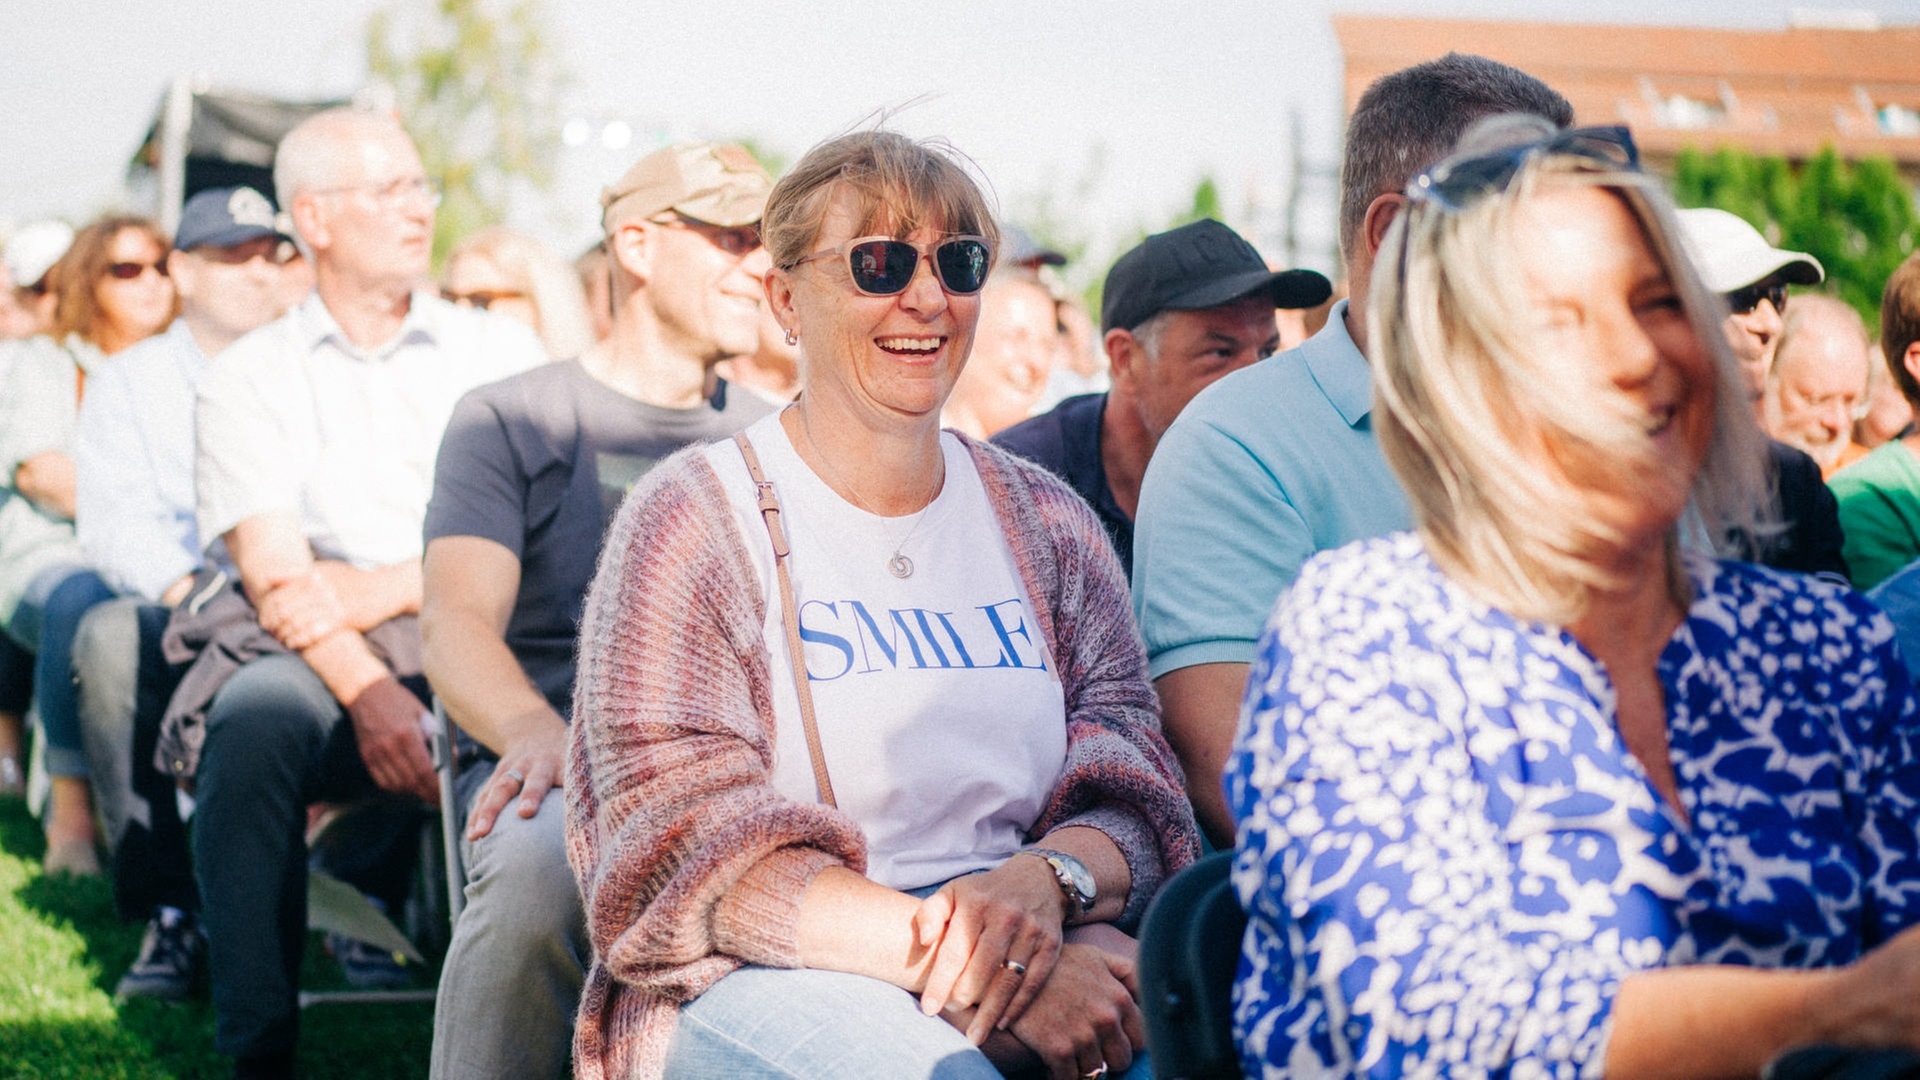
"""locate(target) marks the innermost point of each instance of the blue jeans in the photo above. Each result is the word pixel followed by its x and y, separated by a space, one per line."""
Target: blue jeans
pixel 45 622
pixel 817 1024
pixel 807 1023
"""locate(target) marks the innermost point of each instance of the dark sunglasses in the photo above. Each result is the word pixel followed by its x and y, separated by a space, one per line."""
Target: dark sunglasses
pixel 481 298
pixel 883 266
pixel 127 271
pixel 1743 301
pixel 733 239
pixel 1456 184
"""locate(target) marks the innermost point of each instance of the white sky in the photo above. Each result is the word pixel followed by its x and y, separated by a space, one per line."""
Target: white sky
pixel 1037 91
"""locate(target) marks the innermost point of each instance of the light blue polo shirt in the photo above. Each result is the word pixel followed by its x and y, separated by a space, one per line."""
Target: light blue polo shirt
pixel 1264 468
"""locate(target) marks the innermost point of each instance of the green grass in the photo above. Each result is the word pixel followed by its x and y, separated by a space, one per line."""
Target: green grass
pixel 62 950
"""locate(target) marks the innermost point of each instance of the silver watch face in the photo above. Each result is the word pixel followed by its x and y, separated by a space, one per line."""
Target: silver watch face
pixel 1081 877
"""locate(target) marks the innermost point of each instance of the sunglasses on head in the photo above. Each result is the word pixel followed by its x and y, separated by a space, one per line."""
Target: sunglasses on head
pixel 883 266
pixel 1456 184
pixel 127 271
pixel 1743 301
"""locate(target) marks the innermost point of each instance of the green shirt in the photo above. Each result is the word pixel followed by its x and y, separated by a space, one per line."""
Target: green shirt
pixel 1879 498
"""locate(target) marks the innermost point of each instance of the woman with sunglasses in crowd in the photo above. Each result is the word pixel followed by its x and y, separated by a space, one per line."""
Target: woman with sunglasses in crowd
pixel 933 839
pixel 112 291
pixel 510 273
pixel 1537 787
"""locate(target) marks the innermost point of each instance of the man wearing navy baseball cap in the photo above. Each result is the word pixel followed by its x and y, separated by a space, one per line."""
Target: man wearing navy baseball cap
pixel 133 454
pixel 1179 310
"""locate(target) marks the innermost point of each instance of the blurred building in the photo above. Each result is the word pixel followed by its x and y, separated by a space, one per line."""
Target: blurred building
pixel 1832 78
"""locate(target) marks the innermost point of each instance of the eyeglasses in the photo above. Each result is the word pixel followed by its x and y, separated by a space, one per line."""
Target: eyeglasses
pixel 883 266
pixel 1743 301
pixel 127 271
pixel 481 298
pixel 1454 185
pixel 393 193
pixel 735 240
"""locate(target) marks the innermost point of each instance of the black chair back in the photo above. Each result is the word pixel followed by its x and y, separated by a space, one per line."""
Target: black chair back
pixel 1189 948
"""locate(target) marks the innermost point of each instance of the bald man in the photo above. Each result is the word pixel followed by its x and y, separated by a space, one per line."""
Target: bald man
pixel 1818 381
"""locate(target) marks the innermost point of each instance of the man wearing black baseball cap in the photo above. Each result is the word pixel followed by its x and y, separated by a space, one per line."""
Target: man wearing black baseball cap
pixel 133 456
pixel 1179 310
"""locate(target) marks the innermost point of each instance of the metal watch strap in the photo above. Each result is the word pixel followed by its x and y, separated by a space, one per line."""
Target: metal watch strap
pixel 1080 903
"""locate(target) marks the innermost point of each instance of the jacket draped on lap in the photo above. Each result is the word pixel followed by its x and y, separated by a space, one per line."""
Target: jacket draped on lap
pixel 691 864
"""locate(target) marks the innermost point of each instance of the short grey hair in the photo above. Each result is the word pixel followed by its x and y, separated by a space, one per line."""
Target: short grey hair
pixel 1411 118
pixel 308 157
pixel 1454 363
pixel 1147 334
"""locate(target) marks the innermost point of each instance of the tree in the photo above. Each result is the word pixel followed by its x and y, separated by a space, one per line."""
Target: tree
pixel 1206 203
pixel 1858 218
pixel 478 85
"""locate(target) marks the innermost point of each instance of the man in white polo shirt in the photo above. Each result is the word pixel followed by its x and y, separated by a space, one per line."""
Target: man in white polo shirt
pixel 316 441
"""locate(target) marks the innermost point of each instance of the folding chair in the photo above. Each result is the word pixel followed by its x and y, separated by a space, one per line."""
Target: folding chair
pixel 1189 949
pixel 337 907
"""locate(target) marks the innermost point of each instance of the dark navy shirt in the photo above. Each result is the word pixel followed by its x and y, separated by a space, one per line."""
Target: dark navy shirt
pixel 1066 441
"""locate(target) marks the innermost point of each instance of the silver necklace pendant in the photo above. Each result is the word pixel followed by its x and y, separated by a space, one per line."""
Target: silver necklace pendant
pixel 900 566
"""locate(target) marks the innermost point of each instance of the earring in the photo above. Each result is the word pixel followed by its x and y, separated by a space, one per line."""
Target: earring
pixel 793 338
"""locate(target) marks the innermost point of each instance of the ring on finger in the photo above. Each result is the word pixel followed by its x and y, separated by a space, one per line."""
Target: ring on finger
pixel 518 776
pixel 1019 969
pixel 1099 1073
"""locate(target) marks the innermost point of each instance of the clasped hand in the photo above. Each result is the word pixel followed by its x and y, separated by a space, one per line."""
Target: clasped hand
pixel 302 611
pixel 976 926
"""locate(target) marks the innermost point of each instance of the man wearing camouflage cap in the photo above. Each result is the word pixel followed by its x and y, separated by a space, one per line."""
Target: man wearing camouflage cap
pixel 531 470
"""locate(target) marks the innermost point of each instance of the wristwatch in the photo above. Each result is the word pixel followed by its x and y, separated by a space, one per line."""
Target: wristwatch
pixel 1076 881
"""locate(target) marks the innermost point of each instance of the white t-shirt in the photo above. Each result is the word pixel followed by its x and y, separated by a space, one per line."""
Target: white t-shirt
pixel 941 716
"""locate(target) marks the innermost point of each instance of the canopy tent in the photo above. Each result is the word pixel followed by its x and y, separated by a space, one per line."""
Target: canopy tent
pixel 203 138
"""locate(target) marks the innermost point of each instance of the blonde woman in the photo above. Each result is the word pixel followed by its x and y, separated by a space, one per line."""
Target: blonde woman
pixel 1533 789
pixel 512 274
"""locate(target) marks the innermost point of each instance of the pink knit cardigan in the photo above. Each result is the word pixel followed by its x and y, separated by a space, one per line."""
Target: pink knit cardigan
pixel 690 863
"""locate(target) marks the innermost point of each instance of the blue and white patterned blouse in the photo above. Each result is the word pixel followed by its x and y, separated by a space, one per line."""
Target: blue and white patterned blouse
pixel 1451 861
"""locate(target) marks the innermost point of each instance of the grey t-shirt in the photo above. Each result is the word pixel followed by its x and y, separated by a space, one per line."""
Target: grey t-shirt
pixel 538 463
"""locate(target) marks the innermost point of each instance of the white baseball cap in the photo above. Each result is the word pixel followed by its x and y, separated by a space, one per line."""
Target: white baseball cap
pixel 32 251
pixel 1732 254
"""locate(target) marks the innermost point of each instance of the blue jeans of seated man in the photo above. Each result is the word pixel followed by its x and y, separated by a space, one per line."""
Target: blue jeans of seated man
pixel 762 1021
pixel 276 741
pixel 511 982
pixel 45 623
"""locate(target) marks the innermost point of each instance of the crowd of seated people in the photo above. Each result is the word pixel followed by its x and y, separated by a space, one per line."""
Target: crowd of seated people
pixel 847 633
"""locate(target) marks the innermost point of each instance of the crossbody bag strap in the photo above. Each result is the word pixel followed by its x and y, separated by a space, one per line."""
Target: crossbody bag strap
pixel 769 504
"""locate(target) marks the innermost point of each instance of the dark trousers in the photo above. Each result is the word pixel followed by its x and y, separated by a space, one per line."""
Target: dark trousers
pixel 276 741
pixel 152 865
pixel 16 677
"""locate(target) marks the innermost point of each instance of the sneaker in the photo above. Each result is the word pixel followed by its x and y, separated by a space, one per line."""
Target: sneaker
pixel 169 953
pixel 368 967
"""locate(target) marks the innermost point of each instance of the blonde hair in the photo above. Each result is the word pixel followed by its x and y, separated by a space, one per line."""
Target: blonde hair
pixel 1465 397
pixel 902 184
pixel 559 303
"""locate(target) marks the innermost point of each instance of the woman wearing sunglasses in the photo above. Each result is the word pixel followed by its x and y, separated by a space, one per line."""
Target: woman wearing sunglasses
pixel 1536 788
pixel 933 839
pixel 512 274
pixel 112 291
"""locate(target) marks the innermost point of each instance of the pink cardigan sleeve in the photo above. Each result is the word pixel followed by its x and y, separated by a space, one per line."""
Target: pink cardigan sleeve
pixel 1121 776
pixel 689 862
